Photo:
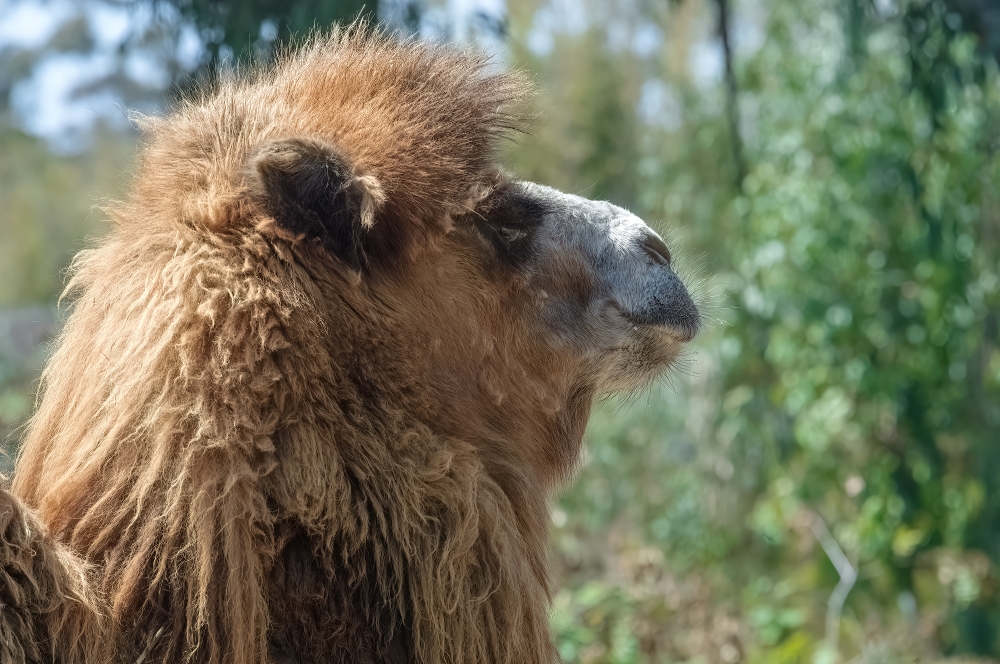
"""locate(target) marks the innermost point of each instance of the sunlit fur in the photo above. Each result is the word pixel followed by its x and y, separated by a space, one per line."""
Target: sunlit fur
pixel 246 452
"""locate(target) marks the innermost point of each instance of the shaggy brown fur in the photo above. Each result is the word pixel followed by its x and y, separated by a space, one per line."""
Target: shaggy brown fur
pixel 247 452
pixel 48 610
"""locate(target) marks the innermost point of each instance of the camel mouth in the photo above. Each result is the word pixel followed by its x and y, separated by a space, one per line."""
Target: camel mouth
pixel 684 333
pixel 676 331
pixel 676 316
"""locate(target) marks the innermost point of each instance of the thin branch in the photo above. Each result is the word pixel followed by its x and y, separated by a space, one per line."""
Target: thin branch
pixel 848 575
pixel 732 107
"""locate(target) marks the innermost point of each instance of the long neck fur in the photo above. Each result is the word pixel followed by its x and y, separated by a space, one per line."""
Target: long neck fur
pixel 259 434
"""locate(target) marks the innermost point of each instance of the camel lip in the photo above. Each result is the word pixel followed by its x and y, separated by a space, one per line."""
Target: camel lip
pixel 682 332
pixel 683 327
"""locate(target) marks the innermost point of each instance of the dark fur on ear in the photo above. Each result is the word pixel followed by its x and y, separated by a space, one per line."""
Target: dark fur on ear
pixel 311 192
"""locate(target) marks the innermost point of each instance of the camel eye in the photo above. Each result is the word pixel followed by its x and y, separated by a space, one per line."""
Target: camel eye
pixel 508 221
pixel 512 235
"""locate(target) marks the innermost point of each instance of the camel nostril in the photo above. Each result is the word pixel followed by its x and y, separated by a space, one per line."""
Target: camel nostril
pixel 656 248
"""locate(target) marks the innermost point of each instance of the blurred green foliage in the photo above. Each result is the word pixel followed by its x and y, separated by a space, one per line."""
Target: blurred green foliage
pixel 48 209
pixel 851 383
pixel 49 206
pixel 24 333
pixel 845 396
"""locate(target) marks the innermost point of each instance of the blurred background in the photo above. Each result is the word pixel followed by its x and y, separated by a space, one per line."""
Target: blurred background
pixel 820 481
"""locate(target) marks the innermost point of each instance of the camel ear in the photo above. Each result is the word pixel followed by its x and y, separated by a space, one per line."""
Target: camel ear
pixel 311 192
